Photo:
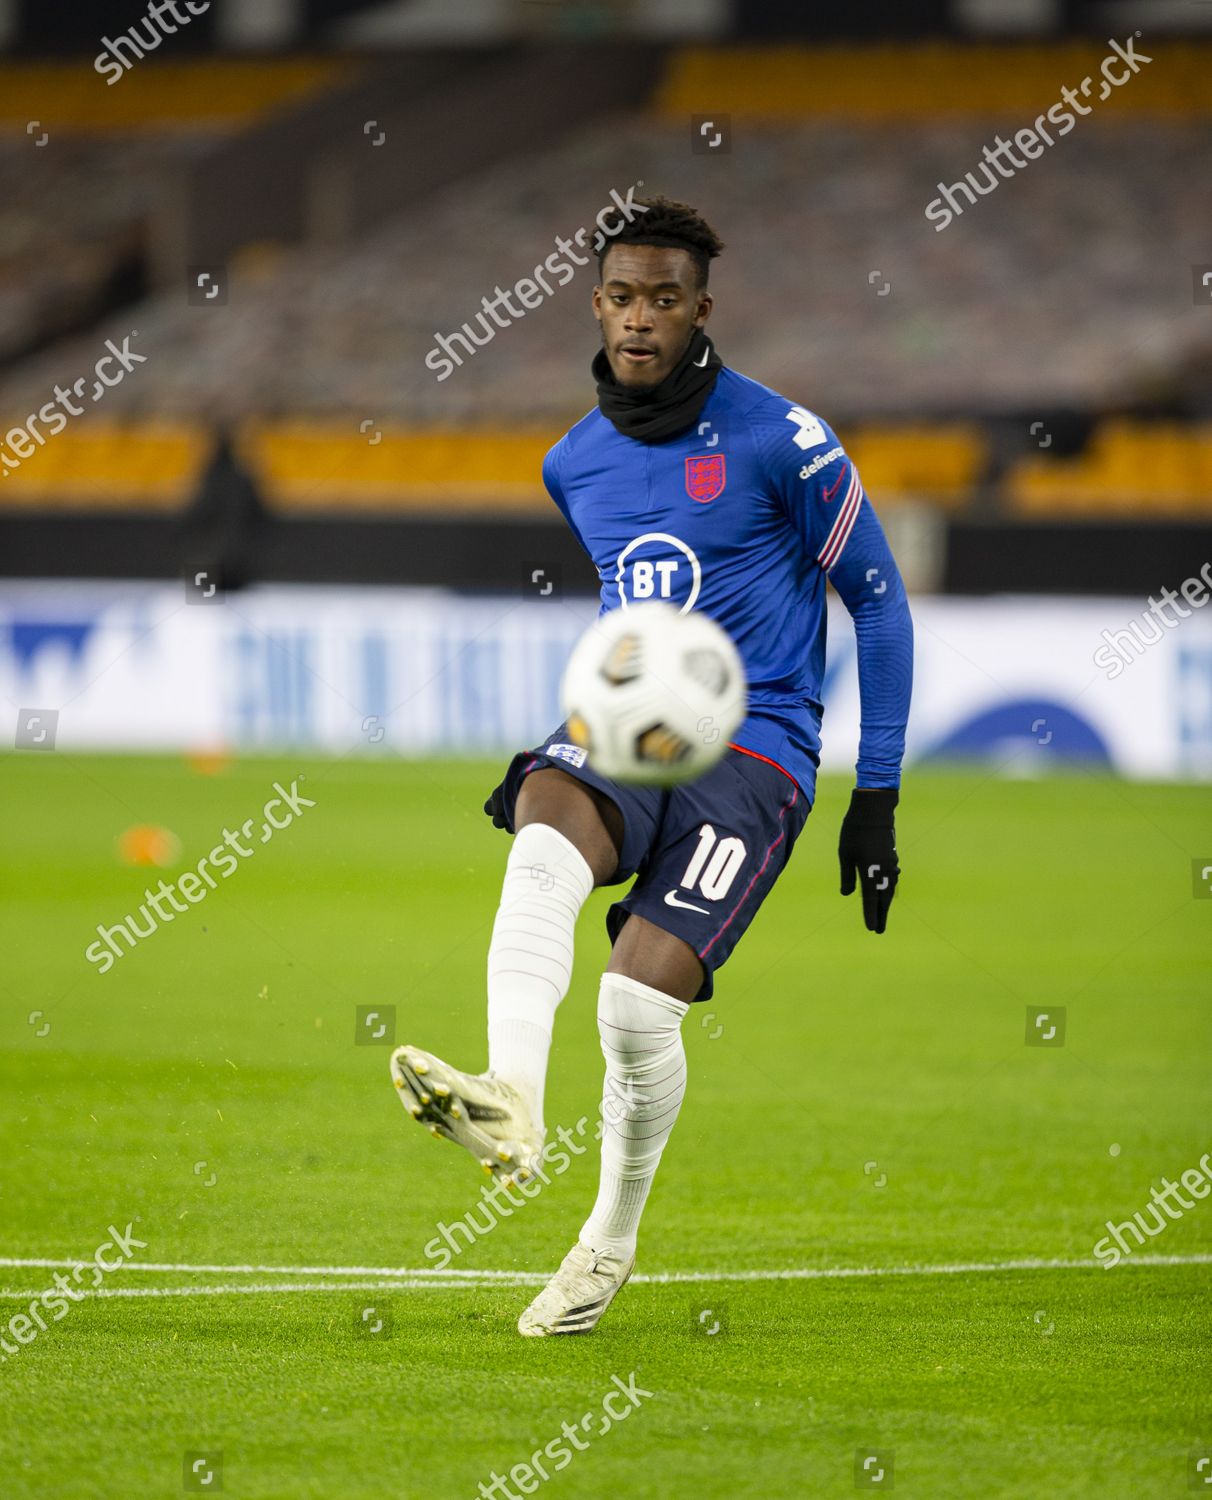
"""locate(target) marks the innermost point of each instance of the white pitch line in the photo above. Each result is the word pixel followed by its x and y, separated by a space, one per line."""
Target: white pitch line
pixel 240 1287
pixel 155 1265
pixel 963 1268
pixel 433 1279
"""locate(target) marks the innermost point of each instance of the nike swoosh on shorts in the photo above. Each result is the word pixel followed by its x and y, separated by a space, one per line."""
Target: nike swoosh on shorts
pixel 671 899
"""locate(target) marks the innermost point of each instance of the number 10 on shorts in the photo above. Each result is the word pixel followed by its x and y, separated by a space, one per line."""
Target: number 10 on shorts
pixel 714 864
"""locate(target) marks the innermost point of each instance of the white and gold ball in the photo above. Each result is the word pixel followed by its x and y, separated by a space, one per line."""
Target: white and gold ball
pixel 653 695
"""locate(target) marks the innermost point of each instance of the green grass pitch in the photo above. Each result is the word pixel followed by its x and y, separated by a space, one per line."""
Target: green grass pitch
pixel 854 1102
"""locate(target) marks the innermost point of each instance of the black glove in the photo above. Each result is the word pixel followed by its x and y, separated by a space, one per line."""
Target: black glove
pixel 495 806
pixel 868 846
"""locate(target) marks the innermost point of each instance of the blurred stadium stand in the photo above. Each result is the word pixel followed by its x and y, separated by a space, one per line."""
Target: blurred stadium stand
pixel 990 381
pixel 34 27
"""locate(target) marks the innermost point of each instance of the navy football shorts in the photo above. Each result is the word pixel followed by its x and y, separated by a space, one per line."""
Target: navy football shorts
pixel 705 855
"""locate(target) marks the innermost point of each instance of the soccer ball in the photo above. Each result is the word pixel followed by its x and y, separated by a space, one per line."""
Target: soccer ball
pixel 653 695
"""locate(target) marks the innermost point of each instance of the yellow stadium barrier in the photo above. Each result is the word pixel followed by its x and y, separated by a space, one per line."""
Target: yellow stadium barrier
pixel 1129 469
pixel 301 467
pixel 310 467
pixel 153 467
pixel 942 464
pixel 155 95
pixel 313 467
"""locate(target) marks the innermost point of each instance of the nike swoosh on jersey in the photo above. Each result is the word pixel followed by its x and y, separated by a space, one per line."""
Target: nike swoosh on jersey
pixel 671 899
pixel 834 487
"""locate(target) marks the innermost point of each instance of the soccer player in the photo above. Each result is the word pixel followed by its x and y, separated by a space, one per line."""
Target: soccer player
pixel 692 483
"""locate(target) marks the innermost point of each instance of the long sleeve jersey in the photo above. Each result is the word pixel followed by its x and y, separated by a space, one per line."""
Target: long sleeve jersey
pixel 744 517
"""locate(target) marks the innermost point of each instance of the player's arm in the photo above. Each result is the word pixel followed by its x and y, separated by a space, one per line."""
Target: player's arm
pixel 839 531
pixel 868 582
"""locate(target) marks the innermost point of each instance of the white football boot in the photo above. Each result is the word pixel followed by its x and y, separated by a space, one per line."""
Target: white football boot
pixel 482 1113
pixel 577 1295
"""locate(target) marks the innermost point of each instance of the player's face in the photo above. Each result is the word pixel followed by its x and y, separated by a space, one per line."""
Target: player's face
pixel 648 304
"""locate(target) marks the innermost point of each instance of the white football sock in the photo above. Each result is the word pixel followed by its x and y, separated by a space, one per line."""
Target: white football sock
pixel 641 1031
pixel 530 957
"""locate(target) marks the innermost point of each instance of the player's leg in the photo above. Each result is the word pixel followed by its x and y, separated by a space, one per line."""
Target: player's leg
pixel 652 978
pixel 570 834
pixel 567 840
pixel 645 992
pixel 722 843
pixel 580 812
pixel 562 847
pixel 667 962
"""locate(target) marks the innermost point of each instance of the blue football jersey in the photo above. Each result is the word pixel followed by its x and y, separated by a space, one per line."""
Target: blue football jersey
pixel 744 517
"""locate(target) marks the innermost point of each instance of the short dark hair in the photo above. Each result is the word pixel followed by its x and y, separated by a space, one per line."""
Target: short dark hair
pixel 666 222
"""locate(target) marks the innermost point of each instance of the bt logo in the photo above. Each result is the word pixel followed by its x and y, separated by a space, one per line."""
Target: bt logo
pixel 668 571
